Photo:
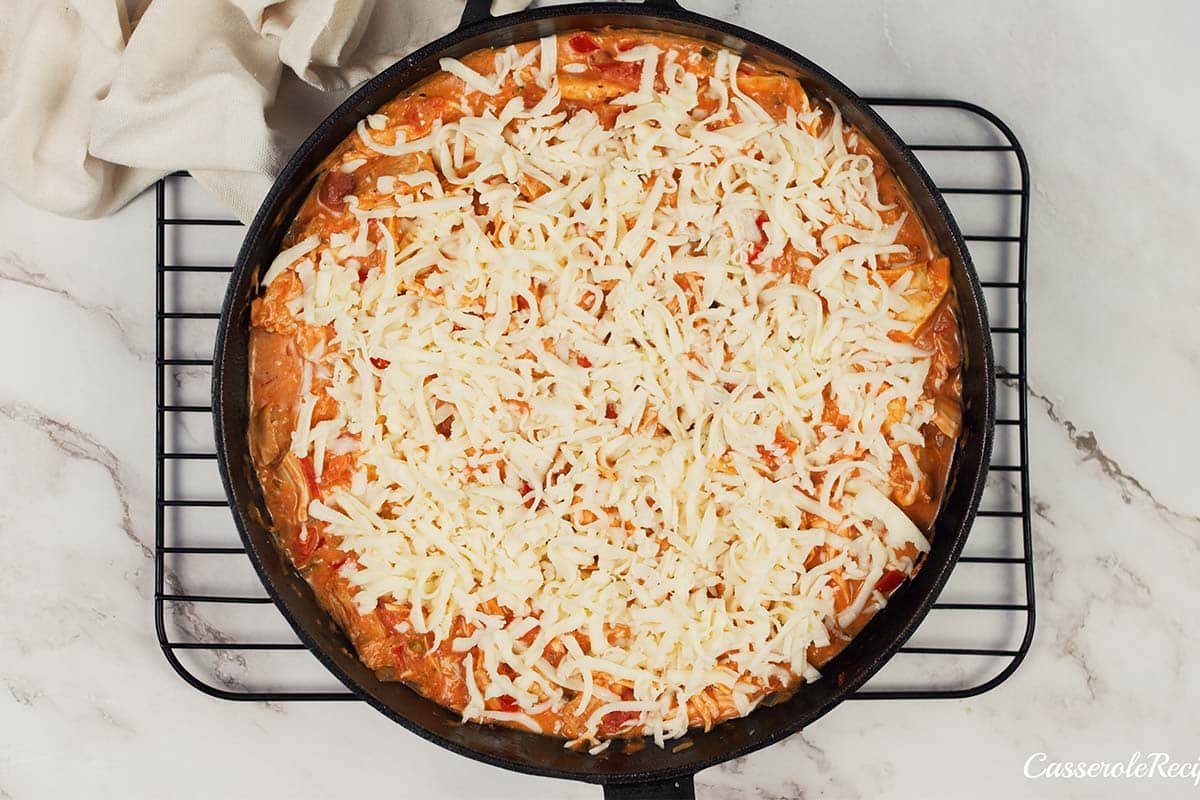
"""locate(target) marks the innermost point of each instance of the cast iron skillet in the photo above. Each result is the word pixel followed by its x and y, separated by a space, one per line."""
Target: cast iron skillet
pixel 650 772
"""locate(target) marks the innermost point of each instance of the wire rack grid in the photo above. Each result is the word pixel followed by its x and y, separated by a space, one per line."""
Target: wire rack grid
pixel 220 632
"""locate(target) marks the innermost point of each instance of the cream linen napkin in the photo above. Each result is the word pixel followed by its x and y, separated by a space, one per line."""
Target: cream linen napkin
pixel 99 98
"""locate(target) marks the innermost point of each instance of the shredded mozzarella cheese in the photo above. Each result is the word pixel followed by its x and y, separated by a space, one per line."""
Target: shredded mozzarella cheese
pixel 600 409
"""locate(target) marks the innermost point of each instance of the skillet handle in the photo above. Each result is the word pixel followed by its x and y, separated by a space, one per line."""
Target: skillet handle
pixel 479 10
pixel 679 789
pixel 475 11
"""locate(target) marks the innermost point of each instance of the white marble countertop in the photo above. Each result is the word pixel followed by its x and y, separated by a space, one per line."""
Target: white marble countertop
pixel 1104 101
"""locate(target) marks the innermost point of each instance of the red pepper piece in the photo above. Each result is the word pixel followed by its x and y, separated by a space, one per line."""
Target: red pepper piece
pixel 757 248
pixel 614 721
pixel 583 43
pixel 303 548
pixel 311 476
pixel 335 187
pixel 890 580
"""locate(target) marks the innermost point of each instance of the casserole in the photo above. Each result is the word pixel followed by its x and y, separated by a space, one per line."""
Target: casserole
pixel 515 749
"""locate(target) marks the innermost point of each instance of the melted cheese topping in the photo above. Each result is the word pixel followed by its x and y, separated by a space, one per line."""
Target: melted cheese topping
pixel 592 405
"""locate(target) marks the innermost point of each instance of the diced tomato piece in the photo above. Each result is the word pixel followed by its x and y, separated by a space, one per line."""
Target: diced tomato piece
pixel 890 580
pixel 381 363
pixel 304 545
pixel 614 721
pixel 628 73
pixel 421 113
pixel 310 475
pixel 508 703
pixel 583 43
pixel 627 44
pixel 584 362
pixel 610 411
pixel 335 187
pixel 757 248
pixel 362 274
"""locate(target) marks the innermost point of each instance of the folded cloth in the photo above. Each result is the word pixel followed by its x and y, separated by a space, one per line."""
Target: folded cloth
pixel 100 98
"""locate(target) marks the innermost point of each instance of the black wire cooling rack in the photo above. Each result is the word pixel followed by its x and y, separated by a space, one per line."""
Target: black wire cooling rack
pixel 220 632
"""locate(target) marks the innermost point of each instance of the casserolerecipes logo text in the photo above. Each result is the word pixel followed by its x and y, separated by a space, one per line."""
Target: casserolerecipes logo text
pixel 1040 766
